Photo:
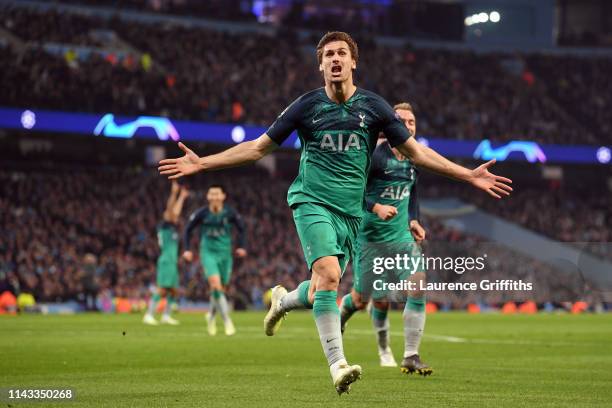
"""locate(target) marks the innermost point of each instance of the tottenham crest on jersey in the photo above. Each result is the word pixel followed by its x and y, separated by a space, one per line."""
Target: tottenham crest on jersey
pixel 362 116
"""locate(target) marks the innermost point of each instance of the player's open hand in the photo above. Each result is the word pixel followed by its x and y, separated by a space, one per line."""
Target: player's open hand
pixel 417 230
pixel 384 212
pixel 241 252
pixel 183 166
pixel 495 186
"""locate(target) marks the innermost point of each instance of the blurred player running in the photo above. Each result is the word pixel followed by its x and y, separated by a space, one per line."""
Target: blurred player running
pixel 338 126
pixel 167 268
pixel 216 222
pixel 391 226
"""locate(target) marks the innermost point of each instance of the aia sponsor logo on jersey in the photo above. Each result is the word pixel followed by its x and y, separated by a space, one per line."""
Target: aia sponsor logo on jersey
pixel 396 192
pixel 215 232
pixel 340 142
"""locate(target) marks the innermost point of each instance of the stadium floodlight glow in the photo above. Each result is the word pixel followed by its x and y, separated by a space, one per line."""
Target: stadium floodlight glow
pixel 28 119
pixel 238 134
pixel 531 150
pixel 162 126
pixel 482 17
pixel 603 155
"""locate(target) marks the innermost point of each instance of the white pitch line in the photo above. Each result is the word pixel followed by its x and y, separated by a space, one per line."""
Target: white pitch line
pixel 362 332
pixel 293 331
pixel 450 339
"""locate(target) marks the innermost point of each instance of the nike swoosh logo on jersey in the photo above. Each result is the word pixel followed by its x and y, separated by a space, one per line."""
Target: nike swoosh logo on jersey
pixel 315 121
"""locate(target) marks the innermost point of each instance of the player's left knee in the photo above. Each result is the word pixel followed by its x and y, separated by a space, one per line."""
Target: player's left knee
pixel 328 274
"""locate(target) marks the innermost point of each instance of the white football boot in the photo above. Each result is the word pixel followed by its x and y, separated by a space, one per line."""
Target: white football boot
pixel 386 358
pixel 344 376
pixel 150 320
pixel 166 319
pixel 211 324
pixel 273 319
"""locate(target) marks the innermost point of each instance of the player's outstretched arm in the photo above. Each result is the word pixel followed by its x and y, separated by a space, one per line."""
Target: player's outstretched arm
pixel 239 155
pixel 480 177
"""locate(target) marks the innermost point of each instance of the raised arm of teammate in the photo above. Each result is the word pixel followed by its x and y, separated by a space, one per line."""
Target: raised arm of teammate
pixel 480 177
pixel 172 198
pixel 177 208
pixel 239 155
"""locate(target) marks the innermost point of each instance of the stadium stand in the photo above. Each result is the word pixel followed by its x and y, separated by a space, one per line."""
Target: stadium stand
pixel 458 94
pixel 67 213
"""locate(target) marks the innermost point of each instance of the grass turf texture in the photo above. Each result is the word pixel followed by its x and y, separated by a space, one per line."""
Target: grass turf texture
pixel 479 360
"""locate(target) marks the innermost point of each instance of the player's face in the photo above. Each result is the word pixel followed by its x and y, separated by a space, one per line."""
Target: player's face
pixel 408 118
pixel 215 196
pixel 337 63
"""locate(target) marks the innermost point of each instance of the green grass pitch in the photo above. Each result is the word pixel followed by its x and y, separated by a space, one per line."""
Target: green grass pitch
pixel 544 360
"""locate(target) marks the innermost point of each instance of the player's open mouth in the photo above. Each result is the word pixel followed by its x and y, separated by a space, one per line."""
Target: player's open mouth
pixel 336 69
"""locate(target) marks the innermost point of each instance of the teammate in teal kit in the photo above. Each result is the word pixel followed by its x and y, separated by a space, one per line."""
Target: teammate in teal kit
pixel 391 227
pixel 167 263
pixel 338 126
pixel 216 222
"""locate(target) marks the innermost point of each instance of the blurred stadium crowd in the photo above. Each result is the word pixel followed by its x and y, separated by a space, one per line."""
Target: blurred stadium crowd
pixel 201 74
pixel 74 233
pixel 51 220
pixel 576 215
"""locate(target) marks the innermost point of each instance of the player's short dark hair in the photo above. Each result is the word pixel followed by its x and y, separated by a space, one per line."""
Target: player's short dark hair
pixel 403 106
pixel 220 186
pixel 338 36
